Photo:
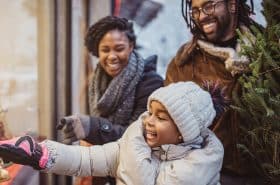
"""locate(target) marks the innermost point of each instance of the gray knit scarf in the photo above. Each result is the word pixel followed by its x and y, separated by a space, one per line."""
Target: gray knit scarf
pixel 114 98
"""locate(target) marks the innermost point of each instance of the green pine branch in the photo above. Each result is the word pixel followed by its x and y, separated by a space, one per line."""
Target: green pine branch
pixel 259 101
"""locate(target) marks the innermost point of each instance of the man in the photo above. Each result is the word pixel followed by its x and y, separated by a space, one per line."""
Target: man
pixel 212 57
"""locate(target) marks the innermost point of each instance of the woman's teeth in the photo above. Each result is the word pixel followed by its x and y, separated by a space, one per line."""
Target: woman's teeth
pixel 114 66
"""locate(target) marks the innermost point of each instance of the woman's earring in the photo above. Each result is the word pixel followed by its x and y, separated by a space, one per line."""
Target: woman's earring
pixel 180 137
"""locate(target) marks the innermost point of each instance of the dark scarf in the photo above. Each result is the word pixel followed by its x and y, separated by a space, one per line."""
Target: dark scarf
pixel 114 98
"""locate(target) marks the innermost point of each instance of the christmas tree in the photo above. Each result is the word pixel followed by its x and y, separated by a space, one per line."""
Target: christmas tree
pixel 259 102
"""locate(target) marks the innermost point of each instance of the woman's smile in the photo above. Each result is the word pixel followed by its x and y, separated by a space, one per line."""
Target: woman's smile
pixel 114 68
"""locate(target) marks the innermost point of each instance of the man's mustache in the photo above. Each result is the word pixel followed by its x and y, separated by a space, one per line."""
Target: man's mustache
pixel 206 20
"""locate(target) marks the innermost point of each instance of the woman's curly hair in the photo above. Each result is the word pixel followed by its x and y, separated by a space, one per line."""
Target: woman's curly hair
pixel 104 25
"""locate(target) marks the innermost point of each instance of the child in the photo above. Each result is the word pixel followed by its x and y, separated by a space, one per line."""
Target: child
pixel 168 144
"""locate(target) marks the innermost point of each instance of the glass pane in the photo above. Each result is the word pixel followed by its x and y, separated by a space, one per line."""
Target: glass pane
pixel 18 65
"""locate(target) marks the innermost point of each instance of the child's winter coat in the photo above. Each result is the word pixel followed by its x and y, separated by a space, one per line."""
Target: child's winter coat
pixel 132 162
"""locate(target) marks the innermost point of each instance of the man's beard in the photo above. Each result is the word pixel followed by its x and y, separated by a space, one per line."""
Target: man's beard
pixel 221 31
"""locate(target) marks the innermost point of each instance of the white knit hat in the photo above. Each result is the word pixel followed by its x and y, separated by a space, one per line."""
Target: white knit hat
pixel 189 105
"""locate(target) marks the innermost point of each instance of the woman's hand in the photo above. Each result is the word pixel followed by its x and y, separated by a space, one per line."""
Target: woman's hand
pixel 74 128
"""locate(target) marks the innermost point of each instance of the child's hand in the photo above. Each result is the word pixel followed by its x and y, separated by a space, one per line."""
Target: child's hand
pixel 24 150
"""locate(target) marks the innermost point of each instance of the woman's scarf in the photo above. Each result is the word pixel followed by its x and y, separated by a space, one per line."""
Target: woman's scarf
pixel 114 98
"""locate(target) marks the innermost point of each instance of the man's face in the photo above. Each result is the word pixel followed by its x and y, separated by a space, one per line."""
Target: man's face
pixel 215 21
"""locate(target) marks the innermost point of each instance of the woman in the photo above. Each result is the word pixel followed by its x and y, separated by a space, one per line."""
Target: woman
pixel 120 87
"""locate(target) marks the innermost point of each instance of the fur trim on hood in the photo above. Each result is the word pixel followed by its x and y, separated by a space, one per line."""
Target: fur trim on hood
pixel 234 62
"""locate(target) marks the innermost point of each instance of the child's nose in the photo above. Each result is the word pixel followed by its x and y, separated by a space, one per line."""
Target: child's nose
pixel 150 121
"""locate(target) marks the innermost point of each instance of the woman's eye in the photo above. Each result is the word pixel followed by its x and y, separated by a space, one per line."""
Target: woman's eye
pixel 119 49
pixel 105 50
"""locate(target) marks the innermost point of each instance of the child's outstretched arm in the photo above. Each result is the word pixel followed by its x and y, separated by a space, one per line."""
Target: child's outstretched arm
pixel 97 160
pixel 61 159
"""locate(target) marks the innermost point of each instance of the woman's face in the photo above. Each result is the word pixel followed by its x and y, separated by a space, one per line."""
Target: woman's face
pixel 114 50
pixel 159 128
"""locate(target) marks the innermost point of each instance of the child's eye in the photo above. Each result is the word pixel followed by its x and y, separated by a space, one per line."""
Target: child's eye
pixel 161 118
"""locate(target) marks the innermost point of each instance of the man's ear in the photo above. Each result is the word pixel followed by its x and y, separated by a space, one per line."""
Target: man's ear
pixel 232 6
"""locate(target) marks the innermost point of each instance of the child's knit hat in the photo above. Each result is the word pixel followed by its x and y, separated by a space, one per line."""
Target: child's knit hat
pixel 190 107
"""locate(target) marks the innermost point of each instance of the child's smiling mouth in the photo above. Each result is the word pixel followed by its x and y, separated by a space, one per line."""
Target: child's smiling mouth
pixel 150 134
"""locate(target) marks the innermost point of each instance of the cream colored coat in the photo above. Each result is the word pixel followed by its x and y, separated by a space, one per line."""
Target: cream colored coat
pixel 131 161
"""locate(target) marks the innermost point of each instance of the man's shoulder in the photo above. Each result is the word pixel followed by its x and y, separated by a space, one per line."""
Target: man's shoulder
pixel 183 53
pixel 184 47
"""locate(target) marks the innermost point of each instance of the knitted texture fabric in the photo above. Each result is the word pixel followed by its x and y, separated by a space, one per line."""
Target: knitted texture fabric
pixel 114 98
pixel 190 107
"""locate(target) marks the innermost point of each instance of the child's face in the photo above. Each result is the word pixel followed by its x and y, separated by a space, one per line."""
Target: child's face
pixel 159 128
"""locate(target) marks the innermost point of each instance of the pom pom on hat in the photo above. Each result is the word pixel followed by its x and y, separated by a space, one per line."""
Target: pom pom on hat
pixel 218 94
pixel 190 107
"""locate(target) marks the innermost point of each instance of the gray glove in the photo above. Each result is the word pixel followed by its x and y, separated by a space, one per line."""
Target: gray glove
pixel 74 128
